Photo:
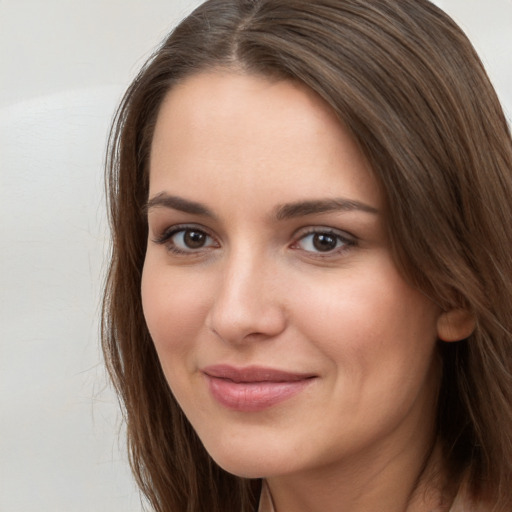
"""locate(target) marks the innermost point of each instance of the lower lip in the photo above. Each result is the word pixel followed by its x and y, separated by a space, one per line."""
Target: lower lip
pixel 253 396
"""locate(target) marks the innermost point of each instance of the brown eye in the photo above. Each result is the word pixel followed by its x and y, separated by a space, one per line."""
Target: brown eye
pixel 324 242
pixel 187 240
pixel 193 239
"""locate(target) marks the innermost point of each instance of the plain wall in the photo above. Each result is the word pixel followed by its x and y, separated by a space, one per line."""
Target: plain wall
pixel 63 67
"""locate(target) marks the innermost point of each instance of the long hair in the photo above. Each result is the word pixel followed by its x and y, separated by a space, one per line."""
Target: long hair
pixel 407 84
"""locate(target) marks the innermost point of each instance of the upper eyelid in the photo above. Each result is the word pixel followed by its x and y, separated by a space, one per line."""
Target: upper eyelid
pixel 169 231
pixel 166 233
pixel 299 233
pixel 349 241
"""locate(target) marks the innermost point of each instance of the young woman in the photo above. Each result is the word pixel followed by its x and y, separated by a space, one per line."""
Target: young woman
pixel 309 299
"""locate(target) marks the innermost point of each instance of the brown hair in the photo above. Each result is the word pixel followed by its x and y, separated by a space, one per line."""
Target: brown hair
pixel 407 83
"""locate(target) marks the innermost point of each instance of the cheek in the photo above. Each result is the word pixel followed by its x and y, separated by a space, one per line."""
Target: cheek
pixel 371 320
pixel 378 335
pixel 173 309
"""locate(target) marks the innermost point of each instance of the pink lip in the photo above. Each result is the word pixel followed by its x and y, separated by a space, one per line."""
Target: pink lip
pixel 253 388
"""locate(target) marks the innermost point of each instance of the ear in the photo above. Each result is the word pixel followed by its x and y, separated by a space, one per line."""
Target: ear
pixel 455 325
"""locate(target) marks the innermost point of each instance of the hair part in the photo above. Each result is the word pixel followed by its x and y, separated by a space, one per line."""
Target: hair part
pixel 408 85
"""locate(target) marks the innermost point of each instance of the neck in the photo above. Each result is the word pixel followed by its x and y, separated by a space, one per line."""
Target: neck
pixel 400 482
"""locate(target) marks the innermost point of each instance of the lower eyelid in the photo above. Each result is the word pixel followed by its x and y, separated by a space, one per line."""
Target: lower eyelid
pixel 166 239
pixel 166 234
pixel 346 243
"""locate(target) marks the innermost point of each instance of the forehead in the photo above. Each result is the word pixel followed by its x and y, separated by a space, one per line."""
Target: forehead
pixel 251 134
pixel 253 101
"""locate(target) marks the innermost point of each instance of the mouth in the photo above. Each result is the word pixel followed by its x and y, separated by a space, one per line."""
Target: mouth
pixel 253 388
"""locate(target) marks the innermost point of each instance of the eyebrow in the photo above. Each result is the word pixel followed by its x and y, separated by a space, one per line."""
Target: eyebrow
pixel 164 200
pixel 318 206
pixel 282 212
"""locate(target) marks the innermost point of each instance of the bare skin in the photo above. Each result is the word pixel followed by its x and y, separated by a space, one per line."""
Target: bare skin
pixel 267 249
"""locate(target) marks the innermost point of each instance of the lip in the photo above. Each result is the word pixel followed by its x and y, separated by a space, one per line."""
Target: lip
pixel 253 388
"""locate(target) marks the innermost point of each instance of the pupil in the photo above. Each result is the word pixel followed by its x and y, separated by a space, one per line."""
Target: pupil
pixel 194 239
pixel 324 242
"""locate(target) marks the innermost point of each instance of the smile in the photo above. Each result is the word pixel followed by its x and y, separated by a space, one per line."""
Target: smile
pixel 253 389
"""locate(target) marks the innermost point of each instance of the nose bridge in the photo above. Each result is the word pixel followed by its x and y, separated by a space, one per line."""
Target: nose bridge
pixel 247 301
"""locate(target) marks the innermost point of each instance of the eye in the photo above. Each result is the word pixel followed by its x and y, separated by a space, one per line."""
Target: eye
pixel 324 241
pixel 185 240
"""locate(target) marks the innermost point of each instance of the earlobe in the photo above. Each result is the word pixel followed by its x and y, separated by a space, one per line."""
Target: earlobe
pixel 455 325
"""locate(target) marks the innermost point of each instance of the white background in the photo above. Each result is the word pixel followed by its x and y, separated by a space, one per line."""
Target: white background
pixel 63 67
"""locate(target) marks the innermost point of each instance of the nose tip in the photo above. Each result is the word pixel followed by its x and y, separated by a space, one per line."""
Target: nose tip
pixel 234 326
pixel 246 307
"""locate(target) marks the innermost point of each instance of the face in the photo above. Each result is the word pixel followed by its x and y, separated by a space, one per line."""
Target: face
pixel 282 324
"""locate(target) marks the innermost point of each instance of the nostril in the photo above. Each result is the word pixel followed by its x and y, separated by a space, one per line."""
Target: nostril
pixel 242 324
pixel 247 306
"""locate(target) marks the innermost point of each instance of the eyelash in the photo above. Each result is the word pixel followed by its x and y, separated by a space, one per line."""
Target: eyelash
pixel 166 238
pixel 344 242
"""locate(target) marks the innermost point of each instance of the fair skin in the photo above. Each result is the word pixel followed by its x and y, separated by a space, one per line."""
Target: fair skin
pixel 268 249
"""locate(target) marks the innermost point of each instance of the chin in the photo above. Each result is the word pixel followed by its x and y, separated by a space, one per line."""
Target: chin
pixel 243 470
pixel 249 462
pixel 250 469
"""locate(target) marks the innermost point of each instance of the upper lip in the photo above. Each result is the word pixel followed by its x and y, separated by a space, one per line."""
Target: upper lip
pixel 254 374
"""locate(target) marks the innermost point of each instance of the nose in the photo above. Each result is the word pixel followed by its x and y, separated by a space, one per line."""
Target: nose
pixel 248 303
